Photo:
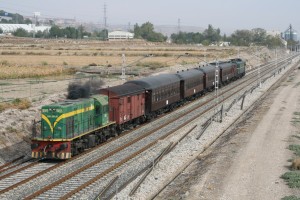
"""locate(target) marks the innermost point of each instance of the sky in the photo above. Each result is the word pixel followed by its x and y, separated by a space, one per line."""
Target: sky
pixel 228 15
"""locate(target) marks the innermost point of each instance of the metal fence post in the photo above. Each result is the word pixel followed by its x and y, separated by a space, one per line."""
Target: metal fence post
pixel 243 102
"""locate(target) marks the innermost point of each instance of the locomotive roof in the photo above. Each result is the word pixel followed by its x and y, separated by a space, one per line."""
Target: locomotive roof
pixel 153 82
pixel 69 102
pixel 212 66
pixel 189 73
pixel 125 89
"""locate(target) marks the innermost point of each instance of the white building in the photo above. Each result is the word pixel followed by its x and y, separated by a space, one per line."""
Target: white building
pixel 9 28
pixel 120 35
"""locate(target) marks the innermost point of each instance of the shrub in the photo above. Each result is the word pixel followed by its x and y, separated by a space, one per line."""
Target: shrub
pixel 295 148
pixel 21 103
pixel 44 63
pixel 93 64
pixel 10 53
pixel 292 179
pixel 65 63
pixel 290 198
pixel 16 103
pixel 5 62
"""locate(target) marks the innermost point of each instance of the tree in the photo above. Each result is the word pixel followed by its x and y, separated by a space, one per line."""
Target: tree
pixel 273 41
pixel 137 31
pixel 211 34
pixel 258 35
pixel 80 31
pixel 70 32
pixel 241 38
pixel 20 32
pixel 55 31
pixel 146 31
pixel 187 38
pixel 1 31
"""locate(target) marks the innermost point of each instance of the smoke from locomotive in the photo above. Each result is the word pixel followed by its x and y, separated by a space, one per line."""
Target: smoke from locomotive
pixel 80 89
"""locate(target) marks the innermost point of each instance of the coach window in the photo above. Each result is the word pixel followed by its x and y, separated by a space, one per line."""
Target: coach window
pixel 128 100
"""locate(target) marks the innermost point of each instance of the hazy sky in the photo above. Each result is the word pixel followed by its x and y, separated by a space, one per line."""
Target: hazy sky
pixel 228 15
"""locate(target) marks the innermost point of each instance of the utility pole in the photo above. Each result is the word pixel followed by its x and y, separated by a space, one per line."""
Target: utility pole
pixel 179 28
pixel 258 71
pixel 35 15
pixel 105 18
pixel 105 21
pixel 217 86
pixel 123 67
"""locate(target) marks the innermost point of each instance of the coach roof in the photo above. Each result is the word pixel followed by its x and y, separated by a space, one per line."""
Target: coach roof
pixel 124 90
pixel 153 82
pixel 189 74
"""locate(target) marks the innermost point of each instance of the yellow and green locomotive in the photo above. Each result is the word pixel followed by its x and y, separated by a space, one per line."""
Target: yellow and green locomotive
pixel 69 127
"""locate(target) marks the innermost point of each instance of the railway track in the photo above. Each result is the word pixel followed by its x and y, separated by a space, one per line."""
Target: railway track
pixel 206 150
pixel 113 191
pixel 66 186
pixel 63 183
pixel 10 164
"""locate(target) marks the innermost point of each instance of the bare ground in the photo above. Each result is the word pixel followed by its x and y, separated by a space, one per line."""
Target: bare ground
pixel 247 162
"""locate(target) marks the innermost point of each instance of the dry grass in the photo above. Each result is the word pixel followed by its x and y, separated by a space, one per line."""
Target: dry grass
pixel 40 57
pixel 17 104
pixel 12 72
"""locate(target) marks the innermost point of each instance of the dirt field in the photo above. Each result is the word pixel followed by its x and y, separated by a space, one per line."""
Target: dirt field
pixel 247 163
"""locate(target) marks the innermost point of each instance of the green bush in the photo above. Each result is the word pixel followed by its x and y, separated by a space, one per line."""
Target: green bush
pixel 290 198
pixel 44 63
pixel 292 179
pixel 295 148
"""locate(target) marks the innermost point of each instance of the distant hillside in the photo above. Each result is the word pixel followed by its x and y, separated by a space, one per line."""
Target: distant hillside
pixel 169 29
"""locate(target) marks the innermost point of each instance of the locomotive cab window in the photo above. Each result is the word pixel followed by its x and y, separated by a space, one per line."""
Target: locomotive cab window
pixel 98 109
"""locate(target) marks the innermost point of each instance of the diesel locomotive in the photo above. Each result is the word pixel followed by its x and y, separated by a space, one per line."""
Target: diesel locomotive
pixel 68 128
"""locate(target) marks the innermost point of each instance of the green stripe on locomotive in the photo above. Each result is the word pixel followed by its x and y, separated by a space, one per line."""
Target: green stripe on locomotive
pixel 71 118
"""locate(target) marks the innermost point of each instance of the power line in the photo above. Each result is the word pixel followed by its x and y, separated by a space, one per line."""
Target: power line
pixel 105 18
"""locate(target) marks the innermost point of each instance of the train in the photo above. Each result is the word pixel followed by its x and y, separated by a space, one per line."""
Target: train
pixel 69 127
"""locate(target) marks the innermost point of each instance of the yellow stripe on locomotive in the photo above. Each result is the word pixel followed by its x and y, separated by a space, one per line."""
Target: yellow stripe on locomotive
pixel 64 122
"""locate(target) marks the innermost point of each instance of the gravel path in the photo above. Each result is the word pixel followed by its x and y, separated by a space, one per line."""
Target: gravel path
pixel 255 174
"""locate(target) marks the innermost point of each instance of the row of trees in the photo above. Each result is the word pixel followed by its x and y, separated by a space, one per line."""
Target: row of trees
pixel 257 36
pixel 211 35
pixel 55 32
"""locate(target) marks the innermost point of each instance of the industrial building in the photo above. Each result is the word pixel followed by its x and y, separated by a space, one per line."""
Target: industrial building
pixel 290 34
pixel 9 28
pixel 120 35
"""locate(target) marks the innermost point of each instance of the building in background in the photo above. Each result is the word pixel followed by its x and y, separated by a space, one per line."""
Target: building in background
pixel 120 35
pixel 9 28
